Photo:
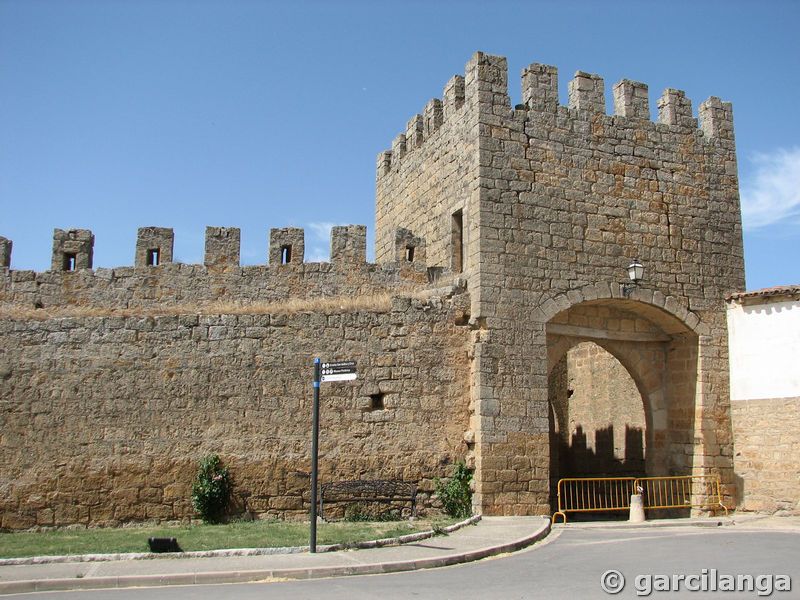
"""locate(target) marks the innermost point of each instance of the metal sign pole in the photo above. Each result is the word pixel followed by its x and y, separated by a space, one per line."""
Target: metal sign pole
pixel 314 453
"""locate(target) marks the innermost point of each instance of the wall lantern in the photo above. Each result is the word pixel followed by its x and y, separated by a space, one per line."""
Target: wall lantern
pixel 635 274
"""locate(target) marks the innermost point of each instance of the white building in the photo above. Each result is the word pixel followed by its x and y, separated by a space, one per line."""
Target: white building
pixel 764 342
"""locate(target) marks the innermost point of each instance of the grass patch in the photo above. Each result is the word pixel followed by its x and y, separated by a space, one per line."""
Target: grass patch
pixel 255 534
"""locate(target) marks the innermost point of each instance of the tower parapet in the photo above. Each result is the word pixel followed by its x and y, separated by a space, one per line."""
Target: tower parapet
pixel 72 249
pixel 485 82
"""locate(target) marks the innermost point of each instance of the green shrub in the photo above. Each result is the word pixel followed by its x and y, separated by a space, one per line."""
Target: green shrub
pixel 211 489
pixel 454 493
pixel 355 513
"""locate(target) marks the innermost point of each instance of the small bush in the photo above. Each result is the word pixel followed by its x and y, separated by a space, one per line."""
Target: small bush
pixel 355 513
pixel 211 489
pixel 455 494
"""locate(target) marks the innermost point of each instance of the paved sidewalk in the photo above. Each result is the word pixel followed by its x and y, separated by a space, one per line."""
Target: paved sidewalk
pixel 490 536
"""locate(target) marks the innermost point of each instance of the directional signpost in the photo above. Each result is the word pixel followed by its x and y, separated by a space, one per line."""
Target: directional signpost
pixel 339 371
pixel 344 370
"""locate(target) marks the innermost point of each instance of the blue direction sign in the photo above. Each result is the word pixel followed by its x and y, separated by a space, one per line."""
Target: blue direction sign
pixel 344 370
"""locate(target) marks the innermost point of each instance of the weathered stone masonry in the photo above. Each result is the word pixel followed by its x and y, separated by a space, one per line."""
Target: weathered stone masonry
pixel 543 206
pixel 105 417
pixel 502 233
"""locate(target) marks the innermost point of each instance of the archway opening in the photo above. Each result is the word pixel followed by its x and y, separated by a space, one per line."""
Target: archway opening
pixel 622 384
pixel 598 423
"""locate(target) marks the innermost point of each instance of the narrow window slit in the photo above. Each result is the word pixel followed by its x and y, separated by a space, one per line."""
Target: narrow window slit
pixel 69 261
pixel 376 402
pixel 457 242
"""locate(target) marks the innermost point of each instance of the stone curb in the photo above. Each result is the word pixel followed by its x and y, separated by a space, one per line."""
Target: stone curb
pixel 93 583
pixel 403 539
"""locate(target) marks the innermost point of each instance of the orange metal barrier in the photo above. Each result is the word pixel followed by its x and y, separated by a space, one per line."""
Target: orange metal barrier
pixel 690 491
pixel 591 494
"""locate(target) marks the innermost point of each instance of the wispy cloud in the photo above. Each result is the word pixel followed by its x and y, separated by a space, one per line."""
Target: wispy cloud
pixel 772 194
pixel 318 242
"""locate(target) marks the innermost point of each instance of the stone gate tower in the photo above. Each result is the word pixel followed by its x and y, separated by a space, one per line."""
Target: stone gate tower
pixel 541 208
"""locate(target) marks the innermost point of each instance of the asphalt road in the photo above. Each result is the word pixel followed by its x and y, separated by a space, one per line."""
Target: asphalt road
pixel 569 564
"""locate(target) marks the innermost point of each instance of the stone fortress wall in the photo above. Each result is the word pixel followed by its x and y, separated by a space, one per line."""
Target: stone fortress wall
pixel 109 403
pixel 502 237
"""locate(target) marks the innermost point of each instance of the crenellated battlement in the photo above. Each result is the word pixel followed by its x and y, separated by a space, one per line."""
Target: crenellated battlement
pixel 73 249
pixel 484 88
pixel 155 281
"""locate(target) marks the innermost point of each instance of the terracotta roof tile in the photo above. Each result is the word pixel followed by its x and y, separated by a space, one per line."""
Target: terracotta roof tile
pixel 780 290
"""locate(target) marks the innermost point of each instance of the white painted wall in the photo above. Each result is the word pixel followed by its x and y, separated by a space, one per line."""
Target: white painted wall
pixel 764 341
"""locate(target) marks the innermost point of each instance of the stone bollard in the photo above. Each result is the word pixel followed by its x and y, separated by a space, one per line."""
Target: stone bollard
pixel 637 509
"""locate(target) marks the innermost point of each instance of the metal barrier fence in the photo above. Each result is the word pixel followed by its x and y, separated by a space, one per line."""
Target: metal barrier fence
pixel 593 494
pixel 693 491
pixel 577 494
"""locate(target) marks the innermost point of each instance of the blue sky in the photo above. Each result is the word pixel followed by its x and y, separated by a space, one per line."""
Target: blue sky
pixel 119 115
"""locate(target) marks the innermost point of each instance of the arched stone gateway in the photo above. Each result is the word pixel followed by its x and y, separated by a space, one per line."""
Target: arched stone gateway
pixel 667 352
pixel 659 351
